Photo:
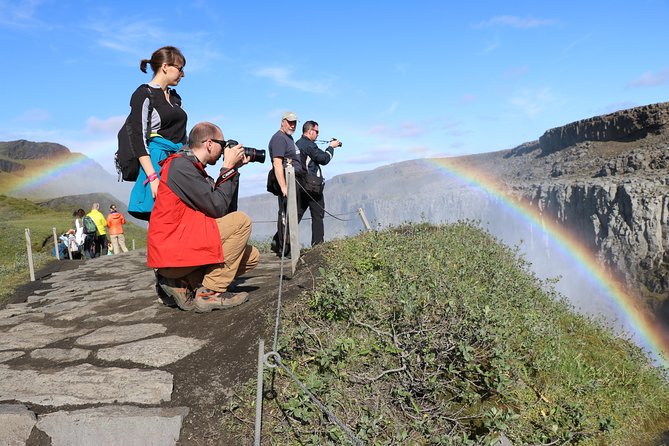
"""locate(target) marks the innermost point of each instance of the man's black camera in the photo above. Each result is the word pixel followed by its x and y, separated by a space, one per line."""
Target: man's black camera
pixel 255 155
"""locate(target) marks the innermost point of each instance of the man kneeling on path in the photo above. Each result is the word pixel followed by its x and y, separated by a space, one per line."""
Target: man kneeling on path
pixel 197 239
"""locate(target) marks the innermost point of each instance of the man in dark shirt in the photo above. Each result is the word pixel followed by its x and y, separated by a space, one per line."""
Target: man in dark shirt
pixel 312 158
pixel 283 151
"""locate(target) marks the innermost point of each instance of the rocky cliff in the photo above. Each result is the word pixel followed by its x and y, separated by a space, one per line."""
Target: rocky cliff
pixel 607 184
pixel 603 178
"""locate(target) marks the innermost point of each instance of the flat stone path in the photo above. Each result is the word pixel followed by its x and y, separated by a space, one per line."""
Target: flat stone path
pixel 93 358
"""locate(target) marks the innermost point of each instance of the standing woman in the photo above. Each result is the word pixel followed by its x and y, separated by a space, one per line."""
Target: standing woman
pixel 158 125
pixel 79 236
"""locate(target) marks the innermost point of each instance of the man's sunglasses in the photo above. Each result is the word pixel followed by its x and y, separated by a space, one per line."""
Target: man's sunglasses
pixel 219 141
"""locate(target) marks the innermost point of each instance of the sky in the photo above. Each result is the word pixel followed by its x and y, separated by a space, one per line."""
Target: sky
pixel 393 80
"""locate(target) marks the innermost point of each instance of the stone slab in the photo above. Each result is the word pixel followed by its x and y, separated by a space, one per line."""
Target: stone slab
pixel 85 384
pixel 16 320
pixel 16 423
pixel 136 316
pixel 114 425
pixel 155 352
pixel 19 306
pixel 115 334
pixel 63 306
pixel 8 356
pixel 60 354
pixel 32 335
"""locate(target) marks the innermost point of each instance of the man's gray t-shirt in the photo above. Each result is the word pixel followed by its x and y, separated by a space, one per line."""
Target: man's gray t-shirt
pixel 282 145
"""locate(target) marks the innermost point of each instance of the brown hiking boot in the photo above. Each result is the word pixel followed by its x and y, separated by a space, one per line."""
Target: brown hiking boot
pixel 207 300
pixel 178 290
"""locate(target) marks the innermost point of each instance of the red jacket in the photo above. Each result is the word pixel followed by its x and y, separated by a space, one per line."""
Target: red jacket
pixel 178 234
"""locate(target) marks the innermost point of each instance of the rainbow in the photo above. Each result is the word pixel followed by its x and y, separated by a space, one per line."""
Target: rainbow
pixel 33 178
pixel 646 331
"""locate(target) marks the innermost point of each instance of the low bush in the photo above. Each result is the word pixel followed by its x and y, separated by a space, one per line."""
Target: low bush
pixel 442 336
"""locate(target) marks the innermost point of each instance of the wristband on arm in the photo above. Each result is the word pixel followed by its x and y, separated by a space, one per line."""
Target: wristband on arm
pixel 151 178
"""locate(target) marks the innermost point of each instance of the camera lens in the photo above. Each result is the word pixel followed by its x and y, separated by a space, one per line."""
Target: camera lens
pixel 255 155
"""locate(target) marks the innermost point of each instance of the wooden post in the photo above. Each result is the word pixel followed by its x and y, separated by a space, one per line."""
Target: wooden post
pixel 259 387
pixel 30 256
pixel 55 244
pixel 133 244
pixel 292 217
pixel 363 217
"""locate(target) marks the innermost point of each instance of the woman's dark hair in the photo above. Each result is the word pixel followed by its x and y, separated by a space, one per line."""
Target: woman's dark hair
pixel 79 213
pixel 167 54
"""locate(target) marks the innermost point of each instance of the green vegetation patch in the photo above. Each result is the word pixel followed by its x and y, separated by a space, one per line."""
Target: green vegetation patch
pixel 441 335
pixel 19 214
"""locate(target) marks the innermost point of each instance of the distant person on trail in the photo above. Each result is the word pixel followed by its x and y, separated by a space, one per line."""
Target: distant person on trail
pixel 197 239
pixel 115 222
pixel 312 159
pixel 86 240
pixel 79 235
pixel 101 234
pixel 167 130
pixel 283 151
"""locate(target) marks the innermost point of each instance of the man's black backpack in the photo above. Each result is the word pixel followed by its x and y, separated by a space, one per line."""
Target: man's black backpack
pixel 126 158
pixel 89 225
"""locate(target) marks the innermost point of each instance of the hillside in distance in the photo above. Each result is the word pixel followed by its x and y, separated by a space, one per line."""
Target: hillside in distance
pixel 44 170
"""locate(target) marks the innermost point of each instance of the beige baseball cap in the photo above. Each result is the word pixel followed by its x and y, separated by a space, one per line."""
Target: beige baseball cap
pixel 289 116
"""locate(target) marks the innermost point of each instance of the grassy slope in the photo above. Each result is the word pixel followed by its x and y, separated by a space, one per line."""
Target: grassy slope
pixel 440 335
pixel 18 214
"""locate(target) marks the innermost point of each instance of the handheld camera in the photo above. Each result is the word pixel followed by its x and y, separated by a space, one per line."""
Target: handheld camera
pixel 255 155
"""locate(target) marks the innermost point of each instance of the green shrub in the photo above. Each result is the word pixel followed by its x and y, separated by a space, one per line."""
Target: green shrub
pixel 442 336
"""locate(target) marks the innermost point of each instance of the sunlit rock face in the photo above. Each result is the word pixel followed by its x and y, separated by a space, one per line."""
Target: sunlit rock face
pixel 604 179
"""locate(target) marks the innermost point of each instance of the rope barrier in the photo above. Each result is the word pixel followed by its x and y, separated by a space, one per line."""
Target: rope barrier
pixel 277 362
pixel 317 204
pixel 309 218
pixel 278 303
pixel 277 359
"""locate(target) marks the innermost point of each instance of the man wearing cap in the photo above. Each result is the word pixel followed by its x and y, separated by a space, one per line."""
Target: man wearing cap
pixel 283 151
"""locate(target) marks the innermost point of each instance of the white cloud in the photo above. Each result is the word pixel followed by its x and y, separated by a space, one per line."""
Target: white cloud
pixel 104 126
pixel 617 106
pixel 284 77
pixel 516 72
pixel 405 129
pixel 515 22
pixel 123 35
pixel 130 36
pixel 34 115
pixel 402 68
pixel 376 157
pixel 491 46
pixel 650 79
pixel 532 102
pixel 21 13
pixel 390 110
